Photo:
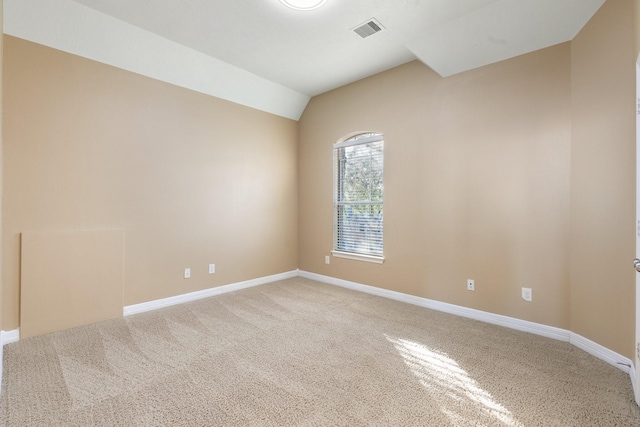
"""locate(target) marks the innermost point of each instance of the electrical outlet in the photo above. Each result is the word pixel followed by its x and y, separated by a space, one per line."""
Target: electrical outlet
pixel 471 285
pixel 527 294
pixel 212 268
pixel 187 273
pixel 327 260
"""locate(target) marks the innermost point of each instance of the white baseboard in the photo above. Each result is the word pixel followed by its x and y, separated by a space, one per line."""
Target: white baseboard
pixel 593 348
pixel 590 347
pixel 634 383
pixel 601 352
pixel 193 296
pixel 11 336
pixel 8 337
pixel 496 319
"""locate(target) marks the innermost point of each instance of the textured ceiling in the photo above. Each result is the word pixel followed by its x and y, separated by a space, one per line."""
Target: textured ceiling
pixel 501 30
pixel 314 51
pixel 264 55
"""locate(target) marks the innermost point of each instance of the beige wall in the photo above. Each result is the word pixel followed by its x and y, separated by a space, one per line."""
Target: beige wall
pixel 69 279
pixel 518 174
pixel 603 178
pixel 477 172
pixel 636 24
pixel 1 150
pixel 190 178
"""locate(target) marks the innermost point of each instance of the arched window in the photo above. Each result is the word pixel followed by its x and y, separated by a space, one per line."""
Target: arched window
pixel 358 197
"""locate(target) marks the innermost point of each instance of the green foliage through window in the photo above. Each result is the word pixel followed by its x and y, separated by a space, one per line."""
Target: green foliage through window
pixel 359 190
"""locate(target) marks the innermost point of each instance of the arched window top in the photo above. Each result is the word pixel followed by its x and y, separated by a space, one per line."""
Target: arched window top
pixel 359 138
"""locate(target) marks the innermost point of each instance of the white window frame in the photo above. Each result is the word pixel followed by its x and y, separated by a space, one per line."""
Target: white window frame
pixel 348 142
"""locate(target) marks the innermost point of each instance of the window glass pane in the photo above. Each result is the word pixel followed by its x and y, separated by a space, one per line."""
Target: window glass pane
pixel 359 195
pixel 360 172
pixel 360 228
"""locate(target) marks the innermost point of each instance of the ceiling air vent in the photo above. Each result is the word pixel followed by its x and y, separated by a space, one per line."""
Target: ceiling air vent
pixel 370 27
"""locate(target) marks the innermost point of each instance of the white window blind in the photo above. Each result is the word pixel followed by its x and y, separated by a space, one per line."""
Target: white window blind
pixel 358 195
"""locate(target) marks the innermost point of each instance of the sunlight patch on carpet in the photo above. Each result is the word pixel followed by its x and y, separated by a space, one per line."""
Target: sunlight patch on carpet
pixel 451 385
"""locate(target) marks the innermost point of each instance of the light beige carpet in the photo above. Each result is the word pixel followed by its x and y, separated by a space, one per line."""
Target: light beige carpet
pixel 301 353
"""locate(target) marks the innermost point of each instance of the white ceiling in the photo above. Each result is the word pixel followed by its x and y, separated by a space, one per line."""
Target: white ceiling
pixel 316 51
pixel 501 30
pixel 261 54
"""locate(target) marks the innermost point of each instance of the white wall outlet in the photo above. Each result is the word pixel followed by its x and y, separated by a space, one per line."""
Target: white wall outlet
pixel 471 285
pixel 527 294
pixel 327 260
pixel 212 268
pixel 187 273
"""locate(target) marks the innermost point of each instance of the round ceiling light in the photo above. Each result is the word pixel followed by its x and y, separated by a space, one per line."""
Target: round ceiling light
pixel 303 4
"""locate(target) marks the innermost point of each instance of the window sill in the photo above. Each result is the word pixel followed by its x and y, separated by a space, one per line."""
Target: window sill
pixel 358 257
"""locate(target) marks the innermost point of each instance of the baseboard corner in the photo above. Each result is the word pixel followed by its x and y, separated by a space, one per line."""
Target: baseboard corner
pixel 11 336
pixel 552 332
pixel 601 352
pixel 634 383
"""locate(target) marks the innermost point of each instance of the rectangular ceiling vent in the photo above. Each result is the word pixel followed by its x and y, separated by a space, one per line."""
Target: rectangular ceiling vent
pixel 369 28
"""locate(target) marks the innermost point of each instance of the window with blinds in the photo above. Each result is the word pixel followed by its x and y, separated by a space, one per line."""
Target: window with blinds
pixel 358 197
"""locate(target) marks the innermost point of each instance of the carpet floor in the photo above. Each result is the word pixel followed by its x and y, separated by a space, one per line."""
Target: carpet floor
pixel 301 353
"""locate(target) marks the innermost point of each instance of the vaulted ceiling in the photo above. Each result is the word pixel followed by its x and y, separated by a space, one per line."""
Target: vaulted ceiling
pixel 291 55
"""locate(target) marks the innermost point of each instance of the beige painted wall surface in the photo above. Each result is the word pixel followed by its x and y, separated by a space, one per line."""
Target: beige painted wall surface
pixel 1 155
pixel 636 25
pixel 603 178
pixel 477 173
pixel 69 279
pixel 190 178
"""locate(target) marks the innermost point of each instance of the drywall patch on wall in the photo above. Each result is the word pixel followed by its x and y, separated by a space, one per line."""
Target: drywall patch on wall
pixel 69 279
pixel 8 337
pixel 77 29
pixel 193 179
